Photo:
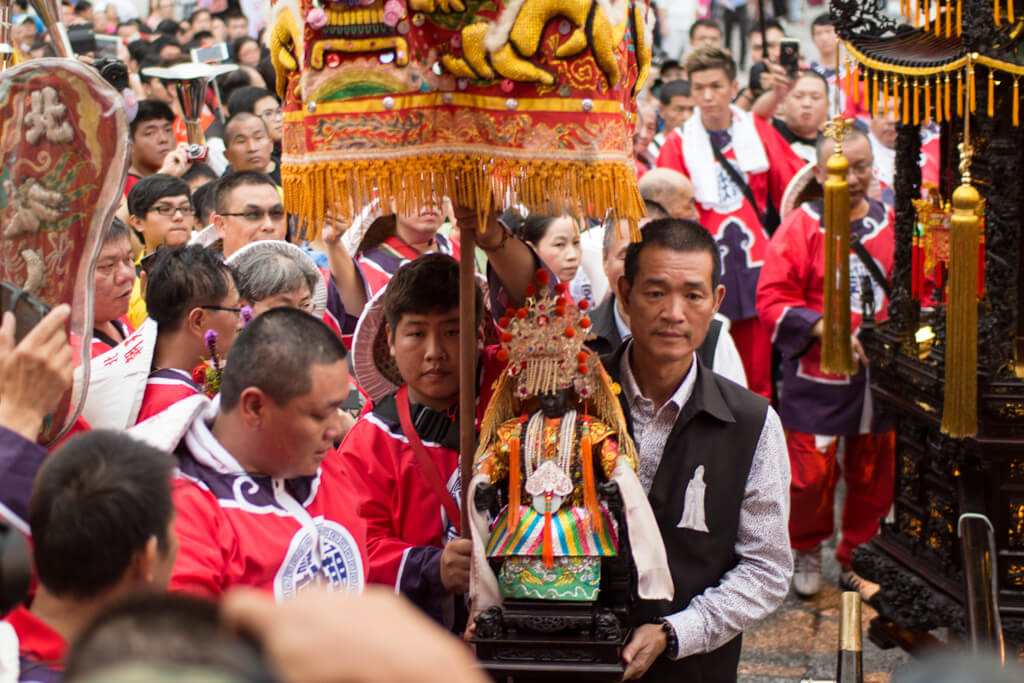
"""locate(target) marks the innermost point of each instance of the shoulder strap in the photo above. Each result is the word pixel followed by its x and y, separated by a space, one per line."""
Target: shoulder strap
pixel 870 263
pixel 736 178
pixel 706 352
pixel 423 458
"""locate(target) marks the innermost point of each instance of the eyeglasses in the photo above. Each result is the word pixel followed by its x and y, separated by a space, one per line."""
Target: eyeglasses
pixel 256 215
pixel 231 309
pixel 168 210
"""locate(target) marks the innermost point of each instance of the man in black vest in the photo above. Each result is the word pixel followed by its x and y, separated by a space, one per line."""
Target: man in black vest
pixel 712 460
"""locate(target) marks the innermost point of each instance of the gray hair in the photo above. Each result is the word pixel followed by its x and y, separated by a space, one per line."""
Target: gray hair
pixel 263 273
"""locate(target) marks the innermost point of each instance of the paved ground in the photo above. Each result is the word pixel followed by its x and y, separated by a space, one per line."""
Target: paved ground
pixel 799 641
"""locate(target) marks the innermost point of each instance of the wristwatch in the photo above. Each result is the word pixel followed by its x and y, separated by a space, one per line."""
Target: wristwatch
pixel 671 641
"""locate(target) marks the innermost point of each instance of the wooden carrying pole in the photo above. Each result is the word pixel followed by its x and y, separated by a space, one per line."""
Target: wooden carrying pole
pixel 467 369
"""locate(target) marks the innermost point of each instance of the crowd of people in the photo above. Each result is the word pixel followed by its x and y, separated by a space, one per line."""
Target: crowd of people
pixel 302 474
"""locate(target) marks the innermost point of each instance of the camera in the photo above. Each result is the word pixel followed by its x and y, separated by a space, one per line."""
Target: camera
pixel 113 71
pixel 196 152
pixel 789 56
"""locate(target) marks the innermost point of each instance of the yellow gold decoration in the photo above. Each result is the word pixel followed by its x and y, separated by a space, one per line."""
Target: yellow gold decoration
pixel 995 12
pixel 960 408
pixel 886 93
pixel 1009 11
pixel 938 99
pixel 848 79
pixel 945 99
pixel 874 94
pixel 991 93
pixel 927 99
pixel 959 17
pixel 906 101
pixel 917 92
pixel 959 94
pixel 949 20
pixel 971 88
pixel 836 350
pixel 1016 102
pixel 927 12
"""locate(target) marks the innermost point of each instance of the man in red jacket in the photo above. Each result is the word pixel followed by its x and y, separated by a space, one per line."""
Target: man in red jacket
pixel 817 408
pixel 737 164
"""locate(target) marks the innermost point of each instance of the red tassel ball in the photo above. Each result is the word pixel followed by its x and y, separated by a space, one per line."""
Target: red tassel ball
pixel 583 305
pixel 581 357
pixel 502 356
pixel 585 323
pixel 522 313
pixel 543 277
pixel 582 369
pixel 570 332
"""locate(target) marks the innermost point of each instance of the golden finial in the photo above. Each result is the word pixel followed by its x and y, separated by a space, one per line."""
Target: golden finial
pixel 837 129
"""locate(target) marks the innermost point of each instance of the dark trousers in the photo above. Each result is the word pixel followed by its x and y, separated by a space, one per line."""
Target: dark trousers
pixel 718 666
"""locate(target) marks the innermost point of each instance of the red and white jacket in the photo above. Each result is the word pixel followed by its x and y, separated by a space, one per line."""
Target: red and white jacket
pixel 790 301
pixel 241 529
pixel 761 157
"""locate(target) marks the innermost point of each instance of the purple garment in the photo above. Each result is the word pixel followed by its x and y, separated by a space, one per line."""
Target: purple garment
pixel 20 460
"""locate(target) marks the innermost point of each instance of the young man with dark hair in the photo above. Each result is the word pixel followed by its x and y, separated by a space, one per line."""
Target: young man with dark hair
pixel 705 32
pixel 101 522
pixel 262 103
pixel 802 104
pixel 412 518
pixel 262 501
pixel 160 213
pixel 247 207
pixel 692 426
pixel 248 145
pixel 675 107
pixel 237 25
pixel 189 292
pixel 823 33
pixel 739 166
pixel 819 408
pixel 152 134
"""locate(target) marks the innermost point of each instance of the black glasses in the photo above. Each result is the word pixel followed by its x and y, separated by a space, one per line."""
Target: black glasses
pixel 257 215
pixel 168 210
pixel 232 309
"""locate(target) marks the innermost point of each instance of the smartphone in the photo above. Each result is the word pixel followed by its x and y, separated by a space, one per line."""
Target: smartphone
pixel 27 309
pixel 214 53
pixel 789 56
pixel 106 46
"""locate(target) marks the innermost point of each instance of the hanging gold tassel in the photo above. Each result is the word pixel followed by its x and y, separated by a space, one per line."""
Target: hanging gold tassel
pixel 991 93
pixel 886 94
pixel 995 11
pixel 836 350
pixel 874 95
pixel 1016 102
pixel 938 99
pixel 971 90
pixel 949 20
pixel 960 408
pixel 927 13
pixel 848 79
pixel 906 101
pixel 917 13
pixel 945 99
pixel 917 94
pixel 1009 11
pixel 938 19
pixel 959 17
pixel 959 94
pixel 927 99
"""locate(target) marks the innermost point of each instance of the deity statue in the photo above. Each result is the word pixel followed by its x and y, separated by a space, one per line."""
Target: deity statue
pixel 556 468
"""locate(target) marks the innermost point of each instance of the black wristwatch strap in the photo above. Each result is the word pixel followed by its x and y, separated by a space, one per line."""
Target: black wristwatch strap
pixel 671 641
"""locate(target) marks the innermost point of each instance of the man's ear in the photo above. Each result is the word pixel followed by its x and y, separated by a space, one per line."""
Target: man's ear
pixel 195 321
pixel 391 339
pixel 719 296
pixel 252 406
pixel 218 224
pixel 735 88
pixel 820 174
pixel 144 561
pixel 623 290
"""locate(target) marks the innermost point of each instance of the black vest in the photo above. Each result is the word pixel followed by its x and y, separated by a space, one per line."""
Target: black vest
pixel 718 427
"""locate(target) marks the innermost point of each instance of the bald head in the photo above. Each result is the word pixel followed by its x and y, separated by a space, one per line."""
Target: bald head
pixel 670 189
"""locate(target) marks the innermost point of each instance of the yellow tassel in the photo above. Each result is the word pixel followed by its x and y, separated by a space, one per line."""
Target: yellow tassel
pixel 515 477
pixel 995 11
pixel 991 93
pixel 949 21
pixel 836 352
pixel 917 94
pixel 873 108
pixel 1016 102
pixel 1009 11
pixel 927 13
pixel 855 84
pixel 849 80
pixel 945 100
pixel 927 99
pixel 589 483
pixel 972 90
pixel 959 17
pixel 906 101
pixel 960 408
pixel 938 20
pixel 886 93
pixel 917 13
pixel 959 94
pixel 938 99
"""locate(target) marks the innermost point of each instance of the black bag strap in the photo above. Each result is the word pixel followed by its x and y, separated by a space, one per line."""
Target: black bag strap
pixel 870 263
pixel 738 179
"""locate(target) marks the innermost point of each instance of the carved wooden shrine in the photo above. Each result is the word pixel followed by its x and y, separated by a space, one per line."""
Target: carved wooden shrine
pixel 949 58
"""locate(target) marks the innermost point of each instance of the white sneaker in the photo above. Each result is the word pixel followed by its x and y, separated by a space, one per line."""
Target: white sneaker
pixel 807 572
